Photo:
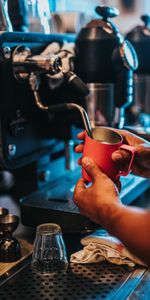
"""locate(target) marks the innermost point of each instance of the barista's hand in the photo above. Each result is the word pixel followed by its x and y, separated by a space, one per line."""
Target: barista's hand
pixel 141 162
pixel 99 201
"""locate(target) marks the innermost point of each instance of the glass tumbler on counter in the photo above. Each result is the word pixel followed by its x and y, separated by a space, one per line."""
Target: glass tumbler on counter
pixel 49 254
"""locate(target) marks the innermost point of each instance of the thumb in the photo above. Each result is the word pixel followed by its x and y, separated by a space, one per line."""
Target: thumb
pixel 79 188
pixel 91 168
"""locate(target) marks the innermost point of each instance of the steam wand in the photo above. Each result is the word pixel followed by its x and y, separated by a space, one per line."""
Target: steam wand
pixel 34 83
pixel 72 106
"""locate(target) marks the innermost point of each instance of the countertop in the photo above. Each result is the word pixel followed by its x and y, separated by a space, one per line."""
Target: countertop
pixel 105 281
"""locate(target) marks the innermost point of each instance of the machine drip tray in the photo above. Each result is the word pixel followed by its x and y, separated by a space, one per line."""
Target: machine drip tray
pixel 55 203
pixel 81 282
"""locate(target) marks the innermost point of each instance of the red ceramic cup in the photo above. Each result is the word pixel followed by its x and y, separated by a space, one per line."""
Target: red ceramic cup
pixel 100 148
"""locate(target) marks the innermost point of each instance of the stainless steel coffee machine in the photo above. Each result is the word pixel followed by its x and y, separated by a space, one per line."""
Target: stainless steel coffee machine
pixel 106 61
pixel 33 132
pixel 34 129
pixel 140 38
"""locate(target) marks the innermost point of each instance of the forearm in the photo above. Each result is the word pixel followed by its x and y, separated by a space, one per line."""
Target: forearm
pixel 132 227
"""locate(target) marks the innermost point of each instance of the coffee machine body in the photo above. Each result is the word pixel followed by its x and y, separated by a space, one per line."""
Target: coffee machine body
pixel 33 138
pixel 92 65
pixel 102 61
pixel 35 143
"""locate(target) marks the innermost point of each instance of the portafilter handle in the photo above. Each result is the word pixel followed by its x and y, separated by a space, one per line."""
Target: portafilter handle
pixel 77 83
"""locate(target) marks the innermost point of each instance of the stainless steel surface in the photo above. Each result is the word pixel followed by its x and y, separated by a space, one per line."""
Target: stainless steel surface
pixel 84 116
pixel 24 62
pixel 100 104
pixel 128 287
pixel 142 290
pixel 12 149
pixel 6 52
pixel 3 211
pixel 10 249
pixel 141 107
pixel 106 135
pixel 8 223
pixel 119 117
pixel 70 155
pixel 88 282
pixel 34 82
pixel 142 93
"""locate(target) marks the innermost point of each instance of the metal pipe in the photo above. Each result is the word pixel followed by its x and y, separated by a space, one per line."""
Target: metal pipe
pixel 72 106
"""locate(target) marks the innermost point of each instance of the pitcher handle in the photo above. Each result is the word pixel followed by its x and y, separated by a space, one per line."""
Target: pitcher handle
pixel 132 151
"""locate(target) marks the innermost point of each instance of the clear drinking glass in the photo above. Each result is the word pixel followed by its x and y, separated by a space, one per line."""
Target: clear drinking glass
pixel 49 254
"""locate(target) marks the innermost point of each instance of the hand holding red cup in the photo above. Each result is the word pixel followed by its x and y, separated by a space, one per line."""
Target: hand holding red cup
pixel 100 148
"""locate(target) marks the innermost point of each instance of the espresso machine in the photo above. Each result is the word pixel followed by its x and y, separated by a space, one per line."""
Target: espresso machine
pixel 140 108
pixel 35 124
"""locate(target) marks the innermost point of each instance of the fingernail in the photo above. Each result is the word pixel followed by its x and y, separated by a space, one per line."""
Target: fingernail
pixel 86 161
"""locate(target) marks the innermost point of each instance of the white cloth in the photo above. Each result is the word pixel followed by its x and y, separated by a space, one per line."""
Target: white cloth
pixel 99 248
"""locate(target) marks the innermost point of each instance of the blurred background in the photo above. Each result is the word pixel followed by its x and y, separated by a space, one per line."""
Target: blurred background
pixel 80 13
pixel 130 10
